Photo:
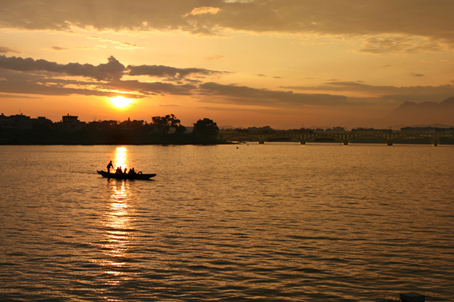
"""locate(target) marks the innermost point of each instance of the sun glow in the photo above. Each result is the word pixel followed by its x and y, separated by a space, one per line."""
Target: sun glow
pixel 120 101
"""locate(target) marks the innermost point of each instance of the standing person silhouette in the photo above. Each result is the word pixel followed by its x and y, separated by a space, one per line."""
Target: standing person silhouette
pixel 110 165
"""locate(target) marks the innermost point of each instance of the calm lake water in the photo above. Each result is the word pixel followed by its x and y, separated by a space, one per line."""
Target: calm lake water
pixel 273 222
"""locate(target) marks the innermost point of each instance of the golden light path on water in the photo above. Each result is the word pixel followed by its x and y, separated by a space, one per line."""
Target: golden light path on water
pixel 116 221
pixel 121 158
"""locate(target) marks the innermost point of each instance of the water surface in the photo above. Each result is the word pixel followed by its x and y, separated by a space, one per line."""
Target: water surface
pixel 273 222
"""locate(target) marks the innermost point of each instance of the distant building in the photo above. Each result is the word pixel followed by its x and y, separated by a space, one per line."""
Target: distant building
pixel 336 129
pixel 16 121
pixel 41 120
pixel 20 121
pixel 71 122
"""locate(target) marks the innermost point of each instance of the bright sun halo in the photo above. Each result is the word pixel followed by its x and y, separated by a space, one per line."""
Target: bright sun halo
pixel 120 101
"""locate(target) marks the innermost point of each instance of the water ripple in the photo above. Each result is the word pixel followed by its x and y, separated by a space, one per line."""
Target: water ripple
pixel 269 223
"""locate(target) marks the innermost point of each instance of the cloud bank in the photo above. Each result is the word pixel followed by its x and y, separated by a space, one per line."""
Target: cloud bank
pixel 109 71
pixel 420 18
pixel 30 76
pixel 170 73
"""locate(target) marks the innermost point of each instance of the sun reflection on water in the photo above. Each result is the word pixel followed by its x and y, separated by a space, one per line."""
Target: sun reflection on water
pixel 117 224
pixel 121 157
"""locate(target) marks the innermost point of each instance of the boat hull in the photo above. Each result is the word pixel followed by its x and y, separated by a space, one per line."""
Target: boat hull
pixel 126 176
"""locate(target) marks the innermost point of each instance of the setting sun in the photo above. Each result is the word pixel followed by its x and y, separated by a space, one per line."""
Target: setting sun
pixel 120 102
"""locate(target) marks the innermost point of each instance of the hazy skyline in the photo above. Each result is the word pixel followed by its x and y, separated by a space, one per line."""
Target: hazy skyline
pixel 285 64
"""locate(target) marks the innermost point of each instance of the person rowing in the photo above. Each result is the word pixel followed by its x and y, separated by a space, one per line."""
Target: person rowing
pixel 110 165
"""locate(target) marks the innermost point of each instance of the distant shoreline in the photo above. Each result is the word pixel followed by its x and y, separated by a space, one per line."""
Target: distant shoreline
pixel 403 142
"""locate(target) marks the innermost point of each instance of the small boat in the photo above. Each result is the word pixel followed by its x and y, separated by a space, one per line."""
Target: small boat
pixel 138 175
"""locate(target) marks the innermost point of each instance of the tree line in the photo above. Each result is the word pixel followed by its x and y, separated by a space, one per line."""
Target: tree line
pixel 162 130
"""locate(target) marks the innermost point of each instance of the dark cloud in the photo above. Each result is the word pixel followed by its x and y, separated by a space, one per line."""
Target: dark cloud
pixel 40 88
pixel 109 71
pixel 29 76
pixel 113 69
pixel 360 87
pixel 384 94
pixel 15 82
pixel 8 50
pixel 27 83
pixel 41 77
pixel 243 95
pixel 58 48
pixel 12 96
pixel 398 44
pixel 151 88
pixel 171 73
pixel 421 18
pixel 98 14
pixel 193 81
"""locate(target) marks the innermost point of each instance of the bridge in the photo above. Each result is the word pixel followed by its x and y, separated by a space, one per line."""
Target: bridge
pixel 345 137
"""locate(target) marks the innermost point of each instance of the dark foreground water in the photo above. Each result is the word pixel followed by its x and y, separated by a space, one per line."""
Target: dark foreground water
pixel 273 222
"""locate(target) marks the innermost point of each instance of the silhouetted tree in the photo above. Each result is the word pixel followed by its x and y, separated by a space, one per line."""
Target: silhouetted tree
pixel 111 132
pixel 133 124
pixel 205 131
pixel 162 124
pixel 180 130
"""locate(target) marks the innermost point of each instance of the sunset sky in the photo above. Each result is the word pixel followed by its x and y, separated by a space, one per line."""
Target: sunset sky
pixel 282 63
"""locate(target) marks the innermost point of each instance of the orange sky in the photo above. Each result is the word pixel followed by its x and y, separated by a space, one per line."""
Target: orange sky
pixel 281 63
